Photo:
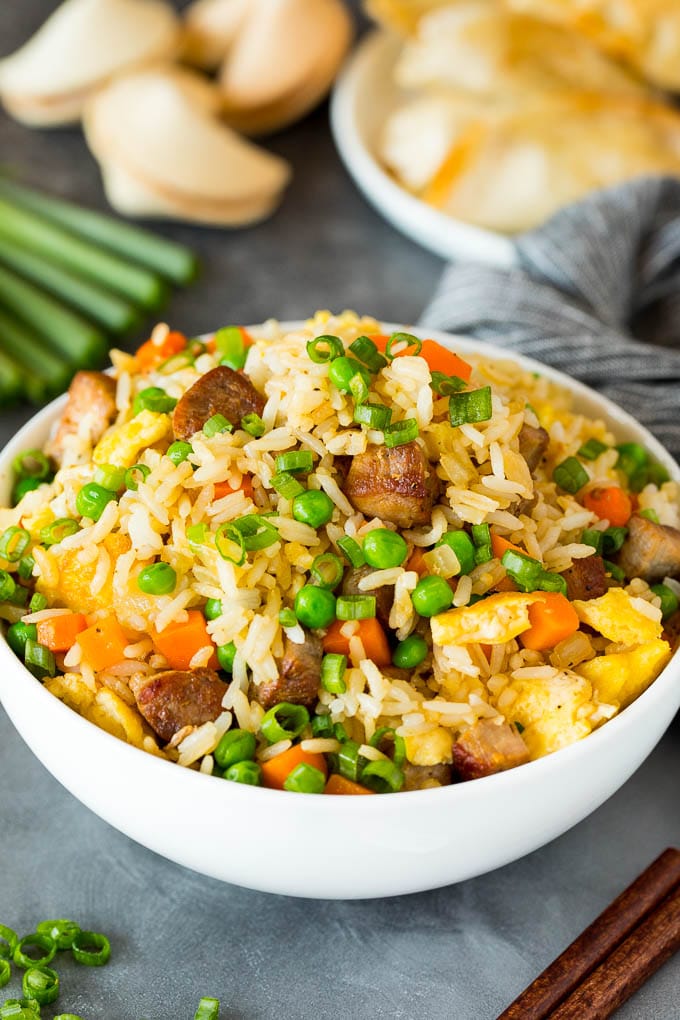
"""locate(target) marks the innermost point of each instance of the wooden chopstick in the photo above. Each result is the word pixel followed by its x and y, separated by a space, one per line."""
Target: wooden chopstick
pixel 644 921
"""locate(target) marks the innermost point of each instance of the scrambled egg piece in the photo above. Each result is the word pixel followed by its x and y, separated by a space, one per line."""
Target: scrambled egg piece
pixel 620 678
pixel 548 711
pixel 73 589
pixel 429 748
pixel 122 446
pixel 72 690
pixel 620 617
pixel 493 621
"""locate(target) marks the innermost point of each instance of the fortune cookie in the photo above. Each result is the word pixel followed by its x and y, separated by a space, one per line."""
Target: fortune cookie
pixel 80 47
pixel 210 28
pixel 164 153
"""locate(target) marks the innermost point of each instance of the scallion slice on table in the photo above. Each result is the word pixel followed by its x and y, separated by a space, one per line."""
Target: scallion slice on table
pixel 41 984
pixel 208 1009
pixel 46 239
pixel 91 948
pixel 171 260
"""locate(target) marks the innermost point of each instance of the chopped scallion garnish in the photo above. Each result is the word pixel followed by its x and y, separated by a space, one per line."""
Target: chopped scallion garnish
pixel 570 475
pixel 230 346
pixel 297 461
pixel 215 425
pixel 287 485
pixel 355 607
pixel 352 550
pixel 14 542
pixel 366 351
pixel 333 669
pixel 404 342
pixel 253 425
pixel 470 407
pixel 325 348
pixel 445 385
pixel 327 570
pixel 400 432
pixel 376 416
pixel 592 449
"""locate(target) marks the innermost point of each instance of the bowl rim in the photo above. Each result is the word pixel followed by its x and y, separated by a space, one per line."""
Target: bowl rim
pixel 612 730
pixel 440 233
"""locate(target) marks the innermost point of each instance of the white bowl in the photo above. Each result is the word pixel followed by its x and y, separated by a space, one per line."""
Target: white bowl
pixel 362 98
pixel 338 847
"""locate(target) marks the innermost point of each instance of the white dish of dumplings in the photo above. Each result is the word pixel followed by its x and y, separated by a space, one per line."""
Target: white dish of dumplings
pixel 364 96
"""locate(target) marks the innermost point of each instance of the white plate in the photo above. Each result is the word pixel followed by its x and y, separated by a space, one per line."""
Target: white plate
pixel 363 96
pixel 339 847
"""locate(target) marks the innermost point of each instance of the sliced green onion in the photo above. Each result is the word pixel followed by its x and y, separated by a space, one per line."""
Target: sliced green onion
pixel 408 340
pixel 157 579
pixel 375 416
pixel 366 351
pixel 350 762
pixel 287 485
pixel 481 536
pixel 231 347
pixel 20 596
pixel 333 669
pixel 295 461
pixel 305 778
pixel 38 602
pixel 234 746
pixel 9 940
pixel 91 948
pixel 58 530
pixel 463 547
pixel 471 406
pixel 352 550
pixel 17 636
pixel 524 570
pixel 570 475
pixel 650 514
pixel 313 507
pixel 340 733
pixel 327 570
pixel 592 537
pixel 230 543
pixel 68 1016
pixel 23 486
pixel 400 432
pixel 382 777
pixel 256 530
pixel 287 618
pixel 136 474
pixel 153 398
pixel 226 655
pixel 247 772
pixel 284 722
pixel 39 660
pixel 341 371
pixel 45 946
pixel 325 348
pixel 7 586
pixel 31 464
pixel 253 425
pixel 446 385
pixel 410 652
pixel 322 726
pixel 315 607
pixel 592 449
pixel 358 388
pixel 92 500
pixel 197 535
pixel 20 1009
pixel 613 539
pixel 179 451
pixel 383 549
pixel 14 542
pixel 25 570
pixel 355 607
pixel 669 600
pixel 110 477
pixel 5 972
pixel 387 733
pixel 208 1009
pixel 552 582
pixel 215 425
pixel 432 595
pixel 632 460
pixel 41 984
pixel 657 474
pixel 615 571
pixel 62 931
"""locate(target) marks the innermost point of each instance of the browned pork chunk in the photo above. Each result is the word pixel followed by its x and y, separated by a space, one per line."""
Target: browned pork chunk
pixel 586 579
pixel 486 748
pixel 396 484
pixel 532 445
pixel 651 551
pixel 384 596
pixel 91 395
pixel 220 391
pixel 299 674
pixel 425 777
pixel 175 698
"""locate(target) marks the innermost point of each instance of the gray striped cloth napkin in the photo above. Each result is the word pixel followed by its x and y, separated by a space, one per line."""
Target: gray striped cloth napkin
pixel 595 293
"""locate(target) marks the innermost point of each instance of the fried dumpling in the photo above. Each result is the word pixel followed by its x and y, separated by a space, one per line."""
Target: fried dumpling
pixel 645 34
pixel 79 48
pixel 164 152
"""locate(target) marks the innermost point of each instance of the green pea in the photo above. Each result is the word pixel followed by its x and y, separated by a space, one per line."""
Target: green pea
pixel 342 370
pixel 179 451
pixel 213 609
pixel 383 548
pixel 315 607
pixel 464 548
pixel 93 499
pixel 313 507
pixel 410 652
pixel 432 595
pixel 235 746
pixel 225 656
pixel 248 772
pixel 157 579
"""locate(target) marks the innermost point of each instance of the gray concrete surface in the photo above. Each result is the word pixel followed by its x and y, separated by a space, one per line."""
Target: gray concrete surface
pixel 462 952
